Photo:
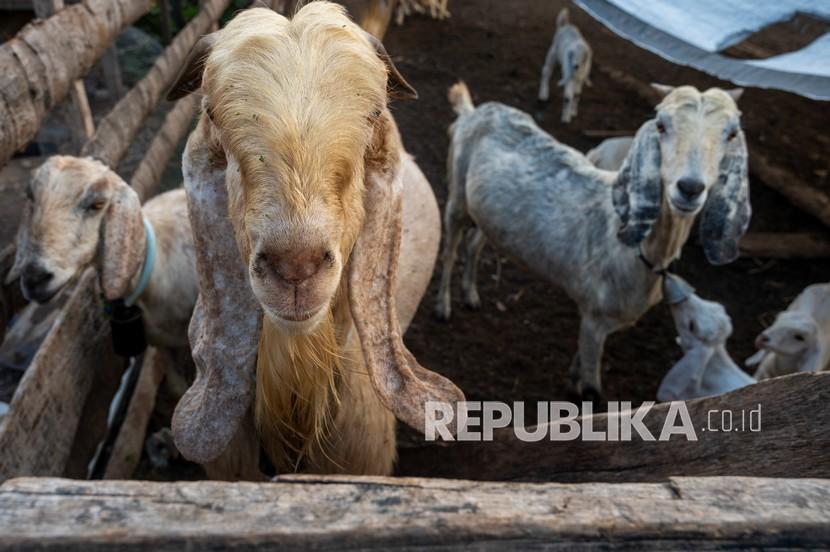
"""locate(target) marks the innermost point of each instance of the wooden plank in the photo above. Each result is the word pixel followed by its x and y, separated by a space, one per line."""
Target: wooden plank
pixel 809 199
pixel 781 245
pixel 112 73
pixel 363 513
pixel 794 417
pixel 166 22
pixel 37 434
pixel 129 444
pixel 116 131
pixel 39 65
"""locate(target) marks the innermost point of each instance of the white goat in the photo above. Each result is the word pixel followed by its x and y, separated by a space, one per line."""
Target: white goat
pixel 610 154
pixel 82 213
pixel 573 54
pixel 703 327
pixel 799 339
pixel 605 237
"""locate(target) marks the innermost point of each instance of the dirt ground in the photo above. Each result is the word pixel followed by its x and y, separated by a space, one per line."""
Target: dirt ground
pixel 519 345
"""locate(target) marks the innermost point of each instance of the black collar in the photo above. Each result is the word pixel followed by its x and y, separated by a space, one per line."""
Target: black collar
pixel 659 271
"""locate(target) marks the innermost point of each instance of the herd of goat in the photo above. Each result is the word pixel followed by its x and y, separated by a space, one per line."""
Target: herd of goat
pixel 314 236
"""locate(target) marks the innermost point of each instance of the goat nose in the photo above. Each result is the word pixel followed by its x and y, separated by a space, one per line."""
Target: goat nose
pixel 690 187
pixel 35 275
pixel 762 341
pixel 298 266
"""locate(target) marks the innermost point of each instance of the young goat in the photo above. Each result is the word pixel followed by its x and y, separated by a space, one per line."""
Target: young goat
pixel 604 237
pixel 81 213
pixel 703 327
pixel 298 285
pixel 799 339
pixel 573 54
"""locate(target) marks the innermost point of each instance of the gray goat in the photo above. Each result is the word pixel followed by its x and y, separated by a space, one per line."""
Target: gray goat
pixel 604 237
pixel 573 54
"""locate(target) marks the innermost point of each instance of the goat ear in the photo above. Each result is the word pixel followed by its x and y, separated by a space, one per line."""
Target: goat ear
pixel 190 78
pixel 563 18
pixel 398 87
pixel 226 325
pixel 638 189
pixel 403 385
pixel 728 211
pixel 662 89
pixel 123 239
pixel 735 93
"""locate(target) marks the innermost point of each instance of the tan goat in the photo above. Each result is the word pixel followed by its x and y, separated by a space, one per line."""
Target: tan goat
pixel 82 213
pixel 297 144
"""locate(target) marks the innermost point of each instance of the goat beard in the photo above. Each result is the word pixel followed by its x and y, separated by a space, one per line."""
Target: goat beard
pixel 297 394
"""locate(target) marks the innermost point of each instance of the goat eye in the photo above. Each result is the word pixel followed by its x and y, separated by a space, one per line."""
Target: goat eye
pixel 732 135
pixel 799 337
pixel 661 128
pixel 96 205
pixel 692 326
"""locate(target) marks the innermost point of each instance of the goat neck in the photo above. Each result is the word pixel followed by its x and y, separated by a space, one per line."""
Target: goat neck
pixel 663 244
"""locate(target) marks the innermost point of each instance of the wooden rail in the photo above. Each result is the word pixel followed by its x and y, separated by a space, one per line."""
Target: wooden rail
pixel 39 65
pixel 365 513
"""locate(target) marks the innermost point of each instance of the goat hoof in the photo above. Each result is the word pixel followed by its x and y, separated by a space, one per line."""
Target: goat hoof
pixel 442 313
pixel 473 304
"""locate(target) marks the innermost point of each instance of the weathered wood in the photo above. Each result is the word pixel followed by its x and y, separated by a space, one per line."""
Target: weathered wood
pixel 117 130
pixel 366 513
pixel 112 73
pixel 781 245
pixel 126 451
pixel 608 133
pixel 794 417
pixel 166 22
pixel 809 199
pixel 37 434
pixel 39 65
pixel 11 299
pixel 79 115
pixel 176 125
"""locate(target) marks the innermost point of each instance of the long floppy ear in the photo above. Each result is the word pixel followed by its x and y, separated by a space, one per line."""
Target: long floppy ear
pixel 190 78
pixel 398 87
pixel 122 246
pixel 403 385
pixel 638 189
pixel 227 320
pixel 726 216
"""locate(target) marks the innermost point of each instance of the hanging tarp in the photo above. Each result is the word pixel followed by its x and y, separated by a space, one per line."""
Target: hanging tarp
pixel 692 32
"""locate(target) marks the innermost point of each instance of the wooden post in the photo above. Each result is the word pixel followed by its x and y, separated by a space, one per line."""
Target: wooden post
pixel 112 73
pixel 164 19
pixel 782 245
pixel 38 434
pixel 79 118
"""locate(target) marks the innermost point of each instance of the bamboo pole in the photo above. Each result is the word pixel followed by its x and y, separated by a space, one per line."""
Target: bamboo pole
pixel 39 65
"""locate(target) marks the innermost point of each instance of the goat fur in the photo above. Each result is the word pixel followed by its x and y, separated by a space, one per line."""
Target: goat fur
pixel 545 205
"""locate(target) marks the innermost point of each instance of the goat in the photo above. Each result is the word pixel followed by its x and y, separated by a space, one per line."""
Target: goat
pixel 604 237
pixel 79 213
pixel 799 339
pixel 610 154
pixel 302 200
pixel 571 51
pixel 703 327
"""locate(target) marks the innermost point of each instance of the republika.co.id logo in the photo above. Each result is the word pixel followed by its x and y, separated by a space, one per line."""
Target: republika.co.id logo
pixel 561 421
